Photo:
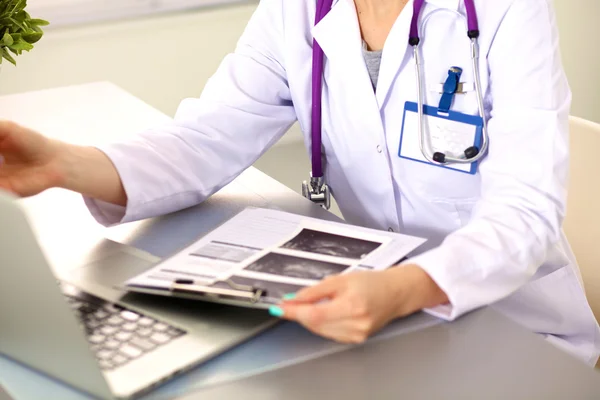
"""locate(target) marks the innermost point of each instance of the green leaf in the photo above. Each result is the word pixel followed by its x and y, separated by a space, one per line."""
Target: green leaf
pixel 20 45
pixel 17 23
pixel 38 22
pixel 20 4
pixel 21 16
pixel 7 39
pixel 32 37
pixel 7 55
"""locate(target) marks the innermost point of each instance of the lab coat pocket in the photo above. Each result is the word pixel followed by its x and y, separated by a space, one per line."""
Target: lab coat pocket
pixel 435 183
pixel 448 215
pixel 445 197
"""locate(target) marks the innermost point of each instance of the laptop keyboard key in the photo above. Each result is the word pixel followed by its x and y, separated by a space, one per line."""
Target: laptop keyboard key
pixel 174 332
pixel 123 336
pixel 130 316
pixel 101 314
pixel 96 339
pixel 119 359
pixel 104 354
pixel 144 332
pixel 160 327
pixel 146 322
pixel 130 327
pixel 112 344
pixel 130 351
pixel 109 330
pixel 105 364
pixel 142 343
pixel 92 323
pixel 115 320
pixel 160 338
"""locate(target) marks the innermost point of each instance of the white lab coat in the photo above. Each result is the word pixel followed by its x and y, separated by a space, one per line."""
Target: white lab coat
pixel 495 237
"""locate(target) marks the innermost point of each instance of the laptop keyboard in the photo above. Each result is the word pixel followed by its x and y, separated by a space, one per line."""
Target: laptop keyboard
pixel 116 334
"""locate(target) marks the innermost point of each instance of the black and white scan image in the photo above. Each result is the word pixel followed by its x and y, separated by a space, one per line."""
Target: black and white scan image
pixel 331 244
pixel 295 267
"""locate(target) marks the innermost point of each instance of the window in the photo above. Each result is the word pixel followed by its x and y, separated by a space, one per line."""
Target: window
pixel 67 12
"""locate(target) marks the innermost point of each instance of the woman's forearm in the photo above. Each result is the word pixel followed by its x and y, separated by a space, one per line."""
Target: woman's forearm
pixel 414 289
pixel 89 171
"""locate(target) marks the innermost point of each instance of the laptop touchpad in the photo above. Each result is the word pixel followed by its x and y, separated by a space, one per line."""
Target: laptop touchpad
pixel 114 269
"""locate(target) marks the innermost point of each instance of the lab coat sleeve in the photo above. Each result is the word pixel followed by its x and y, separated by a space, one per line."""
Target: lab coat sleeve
pixel 244 108
pixel 524 176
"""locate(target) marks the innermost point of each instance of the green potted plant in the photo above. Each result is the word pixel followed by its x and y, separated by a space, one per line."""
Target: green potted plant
pixel 18 31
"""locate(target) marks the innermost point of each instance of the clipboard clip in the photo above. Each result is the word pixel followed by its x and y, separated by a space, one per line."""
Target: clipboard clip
pixel 235 290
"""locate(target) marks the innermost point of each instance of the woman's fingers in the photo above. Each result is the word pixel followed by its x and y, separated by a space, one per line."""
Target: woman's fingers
pixel 331 319
pixel 344 331
pixel 314 314
pixel 346 308
pixel 323 290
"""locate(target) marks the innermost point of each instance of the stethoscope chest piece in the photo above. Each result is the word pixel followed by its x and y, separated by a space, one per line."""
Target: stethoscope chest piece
pixel 317 191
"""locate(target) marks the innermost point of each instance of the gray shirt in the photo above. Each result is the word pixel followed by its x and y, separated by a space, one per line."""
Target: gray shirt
pixel 373 61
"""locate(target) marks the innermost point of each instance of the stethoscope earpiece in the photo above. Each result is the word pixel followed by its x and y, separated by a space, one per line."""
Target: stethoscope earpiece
pixel 439 157
pixel 471 152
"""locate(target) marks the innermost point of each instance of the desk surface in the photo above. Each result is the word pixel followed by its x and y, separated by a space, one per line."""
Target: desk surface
pixel 482 355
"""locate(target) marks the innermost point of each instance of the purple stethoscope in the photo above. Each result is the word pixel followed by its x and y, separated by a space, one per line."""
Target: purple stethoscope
pixel 317 190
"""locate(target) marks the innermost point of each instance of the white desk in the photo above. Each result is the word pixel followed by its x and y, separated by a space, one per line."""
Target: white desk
pixel 482 345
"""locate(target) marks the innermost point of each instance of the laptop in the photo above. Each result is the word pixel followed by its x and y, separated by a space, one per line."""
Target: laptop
pixel 84 331
pixel 4 395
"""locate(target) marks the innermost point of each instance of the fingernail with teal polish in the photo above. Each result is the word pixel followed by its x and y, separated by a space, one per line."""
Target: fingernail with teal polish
pixel 276 311
pixel 289 296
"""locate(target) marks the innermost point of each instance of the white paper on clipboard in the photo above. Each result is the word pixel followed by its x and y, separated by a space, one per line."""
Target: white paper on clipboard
pixel 278 251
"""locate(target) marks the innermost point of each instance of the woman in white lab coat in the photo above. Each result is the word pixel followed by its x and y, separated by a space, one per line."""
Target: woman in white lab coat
pixel 494 236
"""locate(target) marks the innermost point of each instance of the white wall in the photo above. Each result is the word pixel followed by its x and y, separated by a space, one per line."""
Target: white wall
pixel 166 58
pixel 579 24
pixel 160 59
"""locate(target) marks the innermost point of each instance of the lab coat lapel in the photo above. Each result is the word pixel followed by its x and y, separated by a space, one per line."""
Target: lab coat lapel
pixel 345 73
pixel 339 36
pixel 395 54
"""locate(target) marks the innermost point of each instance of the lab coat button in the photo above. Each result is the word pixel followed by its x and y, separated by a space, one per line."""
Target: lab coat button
pixel 379 149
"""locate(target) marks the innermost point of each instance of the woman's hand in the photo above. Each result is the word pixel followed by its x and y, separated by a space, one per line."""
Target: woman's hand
pixel 351 307
pixel 30 162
